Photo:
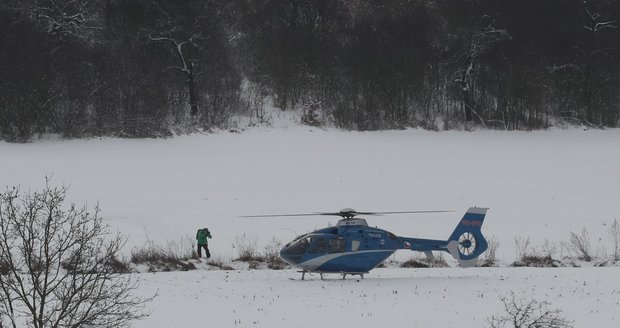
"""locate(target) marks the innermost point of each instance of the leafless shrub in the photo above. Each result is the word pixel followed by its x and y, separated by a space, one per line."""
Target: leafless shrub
pixel 246 247
pixel 436 261
pixel 490 255
pixel 172 250
pixel 536 261
pixel 425 262
pixel 614 234
pixel 271 254
pixel 414 263
pixel 119 265
pixel 549 248
pixel 521 313
pixel 114 265
pixel 522 246
pixel 529 256
pixel 58 265
pixel 579 245
pixel 182 249
pixel 172 257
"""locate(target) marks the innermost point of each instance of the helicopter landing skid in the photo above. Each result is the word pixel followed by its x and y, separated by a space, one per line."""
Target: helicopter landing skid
pixel 344 274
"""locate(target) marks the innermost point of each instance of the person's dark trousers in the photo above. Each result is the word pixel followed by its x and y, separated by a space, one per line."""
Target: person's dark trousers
pixel 206 247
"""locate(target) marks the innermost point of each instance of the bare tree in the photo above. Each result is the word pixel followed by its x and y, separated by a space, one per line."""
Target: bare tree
pixel 183 40
pixel 59 265
pixel 186 65
pixel 468 60
pixel 520 313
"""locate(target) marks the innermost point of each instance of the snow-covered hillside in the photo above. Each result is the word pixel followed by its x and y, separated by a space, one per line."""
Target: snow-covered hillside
pixel 538 185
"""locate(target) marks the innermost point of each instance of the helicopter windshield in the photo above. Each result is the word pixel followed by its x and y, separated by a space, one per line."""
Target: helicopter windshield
pixel 299 245
pixel 316 244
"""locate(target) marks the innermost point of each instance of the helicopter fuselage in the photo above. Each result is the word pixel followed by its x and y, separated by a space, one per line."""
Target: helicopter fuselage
pixel 352 247
pixel 349 247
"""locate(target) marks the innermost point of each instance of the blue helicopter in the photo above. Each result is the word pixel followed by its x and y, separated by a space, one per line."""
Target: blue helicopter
pixel 352 247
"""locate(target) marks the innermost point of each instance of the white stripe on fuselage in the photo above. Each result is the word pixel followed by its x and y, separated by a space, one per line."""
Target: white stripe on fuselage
pixel 316 262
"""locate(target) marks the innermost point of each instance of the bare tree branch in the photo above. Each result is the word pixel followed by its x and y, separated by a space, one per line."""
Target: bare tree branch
pixel 595 24
pixel 76 18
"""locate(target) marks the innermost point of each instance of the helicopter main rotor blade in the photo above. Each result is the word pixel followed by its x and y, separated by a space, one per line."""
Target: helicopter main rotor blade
pixel 279 215
pixel 346 213
pixel 400 212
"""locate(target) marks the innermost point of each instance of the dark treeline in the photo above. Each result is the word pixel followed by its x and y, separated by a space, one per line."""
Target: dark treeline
pixel 142 68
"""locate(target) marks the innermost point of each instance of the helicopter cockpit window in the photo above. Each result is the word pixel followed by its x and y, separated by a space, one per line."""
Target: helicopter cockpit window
pixel 319 245
pixel 299 246
pixel 336 245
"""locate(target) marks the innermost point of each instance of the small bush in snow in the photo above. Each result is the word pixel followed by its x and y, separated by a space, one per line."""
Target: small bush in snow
pixel 119 265
pixel 247 249
pixel 113 264
pixel 522 313
pixel 528 256
pixel 579 245
pixel 490 259
pixel 425 262
pixel 549 248
pixel 413 263
pixel 272 255
pixel 537 261
pixel 173 257
pixel 522 246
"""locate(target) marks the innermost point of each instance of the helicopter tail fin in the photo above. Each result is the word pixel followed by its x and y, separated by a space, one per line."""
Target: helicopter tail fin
pixel 467 242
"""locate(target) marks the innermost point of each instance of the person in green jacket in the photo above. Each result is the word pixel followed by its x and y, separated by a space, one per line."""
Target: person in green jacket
pixel 202 235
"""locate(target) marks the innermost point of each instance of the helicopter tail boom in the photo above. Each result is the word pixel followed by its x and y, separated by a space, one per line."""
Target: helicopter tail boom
pixel 466 243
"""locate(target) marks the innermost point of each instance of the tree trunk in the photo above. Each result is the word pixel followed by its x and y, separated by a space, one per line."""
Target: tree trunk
pixel 466 98
pixel 191 84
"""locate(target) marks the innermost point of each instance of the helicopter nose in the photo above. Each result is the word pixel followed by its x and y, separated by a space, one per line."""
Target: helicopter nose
pixel 289 257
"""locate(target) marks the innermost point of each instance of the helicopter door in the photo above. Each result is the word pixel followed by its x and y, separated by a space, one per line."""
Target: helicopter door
pixel 336 245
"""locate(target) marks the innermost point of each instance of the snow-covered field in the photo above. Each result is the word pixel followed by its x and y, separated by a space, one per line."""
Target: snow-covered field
pixel 538 185
pixel 388 297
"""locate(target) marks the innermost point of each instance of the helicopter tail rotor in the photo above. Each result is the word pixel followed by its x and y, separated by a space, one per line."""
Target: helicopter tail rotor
pixel 467 242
